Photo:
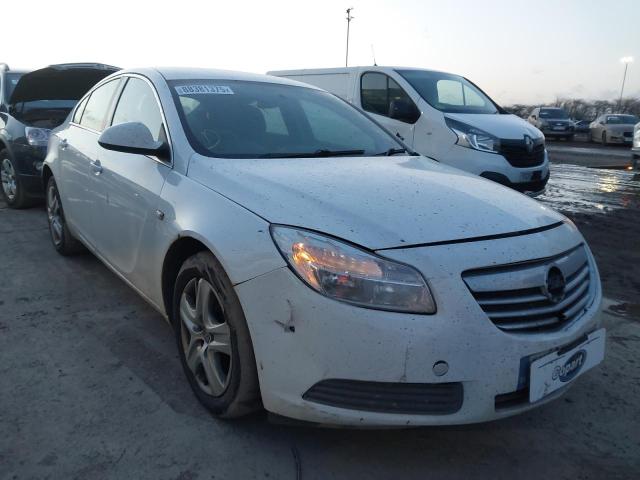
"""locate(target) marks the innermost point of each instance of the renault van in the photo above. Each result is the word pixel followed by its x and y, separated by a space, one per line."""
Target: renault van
pixel 442 116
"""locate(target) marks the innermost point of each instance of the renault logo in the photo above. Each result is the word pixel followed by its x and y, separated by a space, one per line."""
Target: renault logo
pixel 554 288
pixel 528 142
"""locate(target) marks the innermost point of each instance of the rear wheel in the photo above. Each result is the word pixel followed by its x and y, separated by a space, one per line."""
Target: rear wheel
pixel 63 241
pixel 213 339
pixel 12 189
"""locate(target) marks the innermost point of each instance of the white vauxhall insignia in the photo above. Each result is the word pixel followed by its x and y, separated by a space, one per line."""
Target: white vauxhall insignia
pixel 311 263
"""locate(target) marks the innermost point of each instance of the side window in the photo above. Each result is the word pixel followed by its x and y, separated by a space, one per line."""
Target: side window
pixel 373 92
pixel 331 128
pixel 97 106
pixel 381 94
pixel 138 104
pixel 78 113
pixel 450 92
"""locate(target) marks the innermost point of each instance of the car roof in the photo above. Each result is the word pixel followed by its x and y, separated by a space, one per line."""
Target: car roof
pixel 184 73
pixel 373 68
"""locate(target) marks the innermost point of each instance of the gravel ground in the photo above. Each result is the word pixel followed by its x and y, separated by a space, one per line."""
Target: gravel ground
pixel 91 386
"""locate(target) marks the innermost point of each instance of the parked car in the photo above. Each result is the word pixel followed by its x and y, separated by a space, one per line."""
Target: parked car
pixel 442 116
pixel 312 264
pixel 613 128
pixel 581 126
pixel 31 104
pixel 553 122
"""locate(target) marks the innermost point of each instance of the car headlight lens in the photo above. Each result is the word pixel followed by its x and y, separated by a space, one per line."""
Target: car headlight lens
pixel 472 137
pixel 37 137
pixel 350 274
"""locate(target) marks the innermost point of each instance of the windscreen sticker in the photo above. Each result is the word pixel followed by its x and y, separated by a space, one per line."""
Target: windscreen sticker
pixel 204 89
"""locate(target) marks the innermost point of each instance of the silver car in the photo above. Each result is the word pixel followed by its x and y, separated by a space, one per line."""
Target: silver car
pixel 311 263
pixel 613 128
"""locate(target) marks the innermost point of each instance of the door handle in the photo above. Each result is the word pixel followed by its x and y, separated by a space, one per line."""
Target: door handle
pixel 63 144
pixel 96 167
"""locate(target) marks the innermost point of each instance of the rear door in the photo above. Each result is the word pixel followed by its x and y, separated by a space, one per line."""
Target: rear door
pixel 378 93
pixel 130 185
pixel 79 160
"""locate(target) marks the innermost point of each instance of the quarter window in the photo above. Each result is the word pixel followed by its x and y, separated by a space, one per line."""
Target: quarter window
pixel 78 113
pixel 378 92
pixel 138 104
pixel 95 112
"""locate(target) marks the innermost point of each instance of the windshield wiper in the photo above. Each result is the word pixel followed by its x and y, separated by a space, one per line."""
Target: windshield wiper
pixel 316 154
pixel 394 151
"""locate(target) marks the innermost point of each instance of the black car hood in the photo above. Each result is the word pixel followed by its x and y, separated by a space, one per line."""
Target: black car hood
pixel 68 81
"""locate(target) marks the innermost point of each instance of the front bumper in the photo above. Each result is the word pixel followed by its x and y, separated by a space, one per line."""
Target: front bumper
pixel 301 338
pixel 496 167
pixel 549 132
pixel 28 160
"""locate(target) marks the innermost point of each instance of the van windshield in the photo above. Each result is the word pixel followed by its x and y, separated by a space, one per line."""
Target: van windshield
pixel 449 93
pixel 248 119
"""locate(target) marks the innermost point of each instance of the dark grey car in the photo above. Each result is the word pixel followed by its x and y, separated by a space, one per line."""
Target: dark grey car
pixel 31 105
pixel 553 122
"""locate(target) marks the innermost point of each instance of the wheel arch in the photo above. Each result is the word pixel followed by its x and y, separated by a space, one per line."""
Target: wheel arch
pixel 46 175
pixel 181 249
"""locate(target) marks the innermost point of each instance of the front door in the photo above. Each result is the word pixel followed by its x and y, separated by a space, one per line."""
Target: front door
pixel 378 92
pixel 130 186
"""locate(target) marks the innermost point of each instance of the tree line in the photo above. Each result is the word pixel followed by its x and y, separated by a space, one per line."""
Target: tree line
pixel 579 109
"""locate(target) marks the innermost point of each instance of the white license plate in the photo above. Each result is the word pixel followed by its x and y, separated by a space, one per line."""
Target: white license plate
pixel 555 370
pixel 557 128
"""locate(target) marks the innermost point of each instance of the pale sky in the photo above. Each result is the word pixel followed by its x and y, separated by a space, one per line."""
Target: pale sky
pixel 518 51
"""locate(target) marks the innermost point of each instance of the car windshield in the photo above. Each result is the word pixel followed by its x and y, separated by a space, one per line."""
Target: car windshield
pixel 11 80
pixel 553 113
pixel 449 93
pixel 247 119
pixel 622 119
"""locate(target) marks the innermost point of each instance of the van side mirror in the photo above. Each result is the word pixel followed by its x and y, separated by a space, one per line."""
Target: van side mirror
pixel 404 111
pixel 133 137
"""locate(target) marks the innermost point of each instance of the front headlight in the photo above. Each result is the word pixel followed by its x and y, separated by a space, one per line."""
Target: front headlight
pixel 37 137
pixel 350 274
pixel 471 137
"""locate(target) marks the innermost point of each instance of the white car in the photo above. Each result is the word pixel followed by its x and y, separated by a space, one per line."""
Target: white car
pixel 635 148
pixel 311 265
pixel 613 128
pixel 443 116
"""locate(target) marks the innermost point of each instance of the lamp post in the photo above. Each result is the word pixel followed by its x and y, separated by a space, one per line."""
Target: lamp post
pixel 626 61
pixel 349 18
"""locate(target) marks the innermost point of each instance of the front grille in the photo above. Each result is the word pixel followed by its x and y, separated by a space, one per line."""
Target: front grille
pixel 407 398
pixel 518 155
pixel 514 296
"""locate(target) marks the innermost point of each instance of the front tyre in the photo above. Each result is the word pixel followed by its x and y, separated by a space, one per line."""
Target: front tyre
pixel 213 339
pixel 63 241
pixel 12 189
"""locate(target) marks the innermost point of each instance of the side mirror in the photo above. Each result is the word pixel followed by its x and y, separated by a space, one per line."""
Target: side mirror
pixel 403 111
pixel 3 108
pixel 133 137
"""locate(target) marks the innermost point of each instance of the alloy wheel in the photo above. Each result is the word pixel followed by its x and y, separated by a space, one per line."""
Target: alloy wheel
pixel 8 175
pixel 54 213
pixel 206 337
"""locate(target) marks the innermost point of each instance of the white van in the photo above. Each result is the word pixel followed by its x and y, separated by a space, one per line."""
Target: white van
pixel 442 116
